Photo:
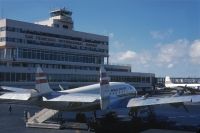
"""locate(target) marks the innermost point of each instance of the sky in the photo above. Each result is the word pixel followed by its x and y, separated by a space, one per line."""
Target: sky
pixel 155 36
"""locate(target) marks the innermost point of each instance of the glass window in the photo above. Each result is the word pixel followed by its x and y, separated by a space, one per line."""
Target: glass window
pixel 25 53
pixel 18 77
pixel 32 77
pixel 7 77
pixel 29 54
pixel 12 77
pixel 34 54
pixel 65 26
pixel 23 77
pixel 147 79
pixel 2 29
pixel 2 76
pixel 28 77
pixel 38 55
pixel 42 55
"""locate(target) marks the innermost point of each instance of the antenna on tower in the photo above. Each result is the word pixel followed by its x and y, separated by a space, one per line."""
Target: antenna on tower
pixel 2 13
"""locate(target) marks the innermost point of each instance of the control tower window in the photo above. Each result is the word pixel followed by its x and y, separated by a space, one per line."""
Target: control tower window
pixel 65 26
pixel 56 25
pixel 61 12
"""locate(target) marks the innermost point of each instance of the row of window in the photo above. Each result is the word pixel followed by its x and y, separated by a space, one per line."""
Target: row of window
pixel 9 39
pixel 56 66
pixel 30 77
pixel 20 30
pixel 1 53
pixel 118 70
pixel 59 66
pixel 7 53
pixel 17 77
pixel 47 55
pixel 34 42
pixel 120 92
pixel 57 56
pixel 179 80
pixel 130 79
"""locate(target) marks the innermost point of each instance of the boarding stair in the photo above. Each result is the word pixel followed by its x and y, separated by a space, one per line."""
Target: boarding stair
pixel 38 120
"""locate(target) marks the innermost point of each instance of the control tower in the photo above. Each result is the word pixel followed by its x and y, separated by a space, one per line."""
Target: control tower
pixel 60 18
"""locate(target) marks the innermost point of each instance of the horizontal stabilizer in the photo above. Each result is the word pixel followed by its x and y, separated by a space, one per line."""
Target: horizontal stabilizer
pixel 137 102
pixel 16 96
pixel 15 89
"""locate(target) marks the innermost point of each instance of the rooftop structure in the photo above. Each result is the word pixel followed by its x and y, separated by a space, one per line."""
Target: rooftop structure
pixel 60 18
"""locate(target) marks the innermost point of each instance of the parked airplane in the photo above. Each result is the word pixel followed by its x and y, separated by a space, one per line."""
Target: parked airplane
pixel 191 87
pixel 104 95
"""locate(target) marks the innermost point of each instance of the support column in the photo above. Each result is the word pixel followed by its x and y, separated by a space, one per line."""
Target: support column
pixel 17 54
pixel 107 60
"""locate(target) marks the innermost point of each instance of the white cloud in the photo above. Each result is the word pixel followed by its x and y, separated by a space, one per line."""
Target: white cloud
pixel 172 53
pixel 111 35
pixel 194 52
pixel 170 66
pixel 117 45
pixel 127 56
pixel 161 34
pixel 145 57
pixel 164 56
pixel 131 57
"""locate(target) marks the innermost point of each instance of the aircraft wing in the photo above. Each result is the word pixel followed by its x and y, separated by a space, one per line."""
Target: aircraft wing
pixel 191 89
pixel 15 89
pixel 137 102
pixel 15 96
pixel 74 97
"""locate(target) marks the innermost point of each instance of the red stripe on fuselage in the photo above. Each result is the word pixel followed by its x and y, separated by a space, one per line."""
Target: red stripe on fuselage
pixel 40 75
pixel 39 81
pixel 104 82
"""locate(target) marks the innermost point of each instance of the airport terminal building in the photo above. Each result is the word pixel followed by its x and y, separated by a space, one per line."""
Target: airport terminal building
pixel 70 58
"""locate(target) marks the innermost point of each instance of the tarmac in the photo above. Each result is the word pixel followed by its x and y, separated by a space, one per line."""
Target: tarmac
pixel 167 117
pixel 13 122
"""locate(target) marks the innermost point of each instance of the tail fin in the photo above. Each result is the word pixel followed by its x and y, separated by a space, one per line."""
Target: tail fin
pixel 42 85
pixel 168 80
pixel 104 89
